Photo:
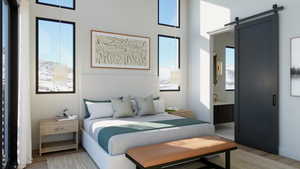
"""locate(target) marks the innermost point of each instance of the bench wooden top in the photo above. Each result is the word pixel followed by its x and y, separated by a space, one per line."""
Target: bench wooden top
pixel 159 154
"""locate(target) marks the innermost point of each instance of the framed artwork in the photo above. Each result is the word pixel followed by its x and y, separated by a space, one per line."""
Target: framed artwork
pixel 120 51
pixel 295 66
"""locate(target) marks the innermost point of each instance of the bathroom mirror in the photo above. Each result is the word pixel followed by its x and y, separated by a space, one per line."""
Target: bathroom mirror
pixel 295 66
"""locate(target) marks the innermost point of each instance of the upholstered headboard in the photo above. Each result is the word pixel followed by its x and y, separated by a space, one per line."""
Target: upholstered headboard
pixel 100 87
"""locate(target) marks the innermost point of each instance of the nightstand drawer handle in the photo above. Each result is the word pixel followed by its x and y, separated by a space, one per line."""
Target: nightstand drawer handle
pixel 59 128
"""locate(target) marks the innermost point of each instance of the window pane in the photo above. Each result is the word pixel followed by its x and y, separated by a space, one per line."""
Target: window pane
pixel 62 3
pixel 56 56
pixel 169 12
pixel 168 63
pixel 67 3
pixel 229 77
pixel 5 81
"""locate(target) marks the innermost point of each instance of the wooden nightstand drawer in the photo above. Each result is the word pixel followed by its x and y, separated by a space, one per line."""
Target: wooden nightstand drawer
pixel 58 127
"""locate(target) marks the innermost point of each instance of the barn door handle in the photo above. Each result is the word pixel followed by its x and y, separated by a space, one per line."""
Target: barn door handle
pixel 274 100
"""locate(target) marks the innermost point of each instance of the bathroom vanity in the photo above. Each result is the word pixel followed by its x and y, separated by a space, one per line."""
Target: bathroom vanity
pixel 223 112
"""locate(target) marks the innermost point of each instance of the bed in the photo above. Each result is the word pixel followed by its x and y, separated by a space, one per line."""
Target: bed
pixel 108 152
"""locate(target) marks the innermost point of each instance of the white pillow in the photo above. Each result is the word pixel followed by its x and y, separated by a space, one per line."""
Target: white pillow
pixel 99 110
pixel 122 107
pixel 145 105
pixel 159 106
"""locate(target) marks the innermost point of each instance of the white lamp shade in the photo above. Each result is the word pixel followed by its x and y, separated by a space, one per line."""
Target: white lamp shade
pixel 175 77
pixel 60 73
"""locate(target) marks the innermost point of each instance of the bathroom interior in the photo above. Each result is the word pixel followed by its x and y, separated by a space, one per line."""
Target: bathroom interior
pixel 223 80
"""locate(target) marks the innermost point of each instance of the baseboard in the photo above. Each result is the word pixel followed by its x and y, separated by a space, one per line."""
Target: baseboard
pixel 285 152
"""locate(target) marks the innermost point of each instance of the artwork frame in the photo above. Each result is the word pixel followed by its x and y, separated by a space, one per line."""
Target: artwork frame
pixel 294 70
pixel 121 52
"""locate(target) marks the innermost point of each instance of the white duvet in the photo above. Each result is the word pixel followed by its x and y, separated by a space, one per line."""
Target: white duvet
pixel 119 144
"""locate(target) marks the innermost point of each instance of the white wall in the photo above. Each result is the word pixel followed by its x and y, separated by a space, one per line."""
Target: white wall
pixel 137 17
pixel 208 15
pixel 220 42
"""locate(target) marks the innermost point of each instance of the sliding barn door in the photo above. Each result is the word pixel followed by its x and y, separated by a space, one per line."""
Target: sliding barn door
pixel 256 110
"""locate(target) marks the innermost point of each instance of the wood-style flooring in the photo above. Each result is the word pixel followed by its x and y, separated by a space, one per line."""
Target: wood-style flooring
pixel 40 162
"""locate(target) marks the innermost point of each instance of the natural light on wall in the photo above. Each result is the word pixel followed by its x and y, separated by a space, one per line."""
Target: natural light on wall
pixel 212 17
pixel 218 16
pixel 204 78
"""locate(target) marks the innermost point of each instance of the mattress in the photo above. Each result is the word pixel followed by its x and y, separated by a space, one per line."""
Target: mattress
pixel 119 144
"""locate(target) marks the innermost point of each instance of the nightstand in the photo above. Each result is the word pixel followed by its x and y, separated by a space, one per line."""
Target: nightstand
pixel 54 127
pixel 183 113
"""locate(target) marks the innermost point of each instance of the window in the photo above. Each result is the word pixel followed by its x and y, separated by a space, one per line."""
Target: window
pixel 169 63
pixel 55 56
pixel 229 68
pixel 68 4
pixel 169 13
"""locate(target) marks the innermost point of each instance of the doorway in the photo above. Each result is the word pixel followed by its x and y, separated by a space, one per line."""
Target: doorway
pixel 223 56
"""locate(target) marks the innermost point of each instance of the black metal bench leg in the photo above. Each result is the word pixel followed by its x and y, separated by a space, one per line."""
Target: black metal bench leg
pixel 209 165
pixel 140 167
pixel 227 159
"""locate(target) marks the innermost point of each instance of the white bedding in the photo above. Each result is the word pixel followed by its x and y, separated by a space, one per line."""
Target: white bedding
pixel 119 144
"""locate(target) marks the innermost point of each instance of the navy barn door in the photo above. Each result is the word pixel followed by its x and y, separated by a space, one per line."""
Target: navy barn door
pixel 256 109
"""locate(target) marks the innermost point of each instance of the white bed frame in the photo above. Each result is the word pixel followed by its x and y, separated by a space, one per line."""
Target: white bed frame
pixel 101 158
pixel 107 161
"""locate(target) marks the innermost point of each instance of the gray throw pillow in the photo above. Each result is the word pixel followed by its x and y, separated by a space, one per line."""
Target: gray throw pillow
pixel 145 106
pixel 122 107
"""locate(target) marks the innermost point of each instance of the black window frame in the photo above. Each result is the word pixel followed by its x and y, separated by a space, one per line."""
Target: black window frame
pixel 58 6
pixel 13 78
pixel 2 143
pixel 37 56
pixel 227 90
pixel 179 56
pixel 168 25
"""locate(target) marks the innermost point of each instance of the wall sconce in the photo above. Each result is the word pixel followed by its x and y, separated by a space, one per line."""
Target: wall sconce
pixel 219 68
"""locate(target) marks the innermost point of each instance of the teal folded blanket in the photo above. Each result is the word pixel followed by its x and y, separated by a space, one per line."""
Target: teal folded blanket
pixel 106 133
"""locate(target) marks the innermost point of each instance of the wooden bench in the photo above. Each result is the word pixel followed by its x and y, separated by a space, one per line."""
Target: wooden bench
pixel 175 152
